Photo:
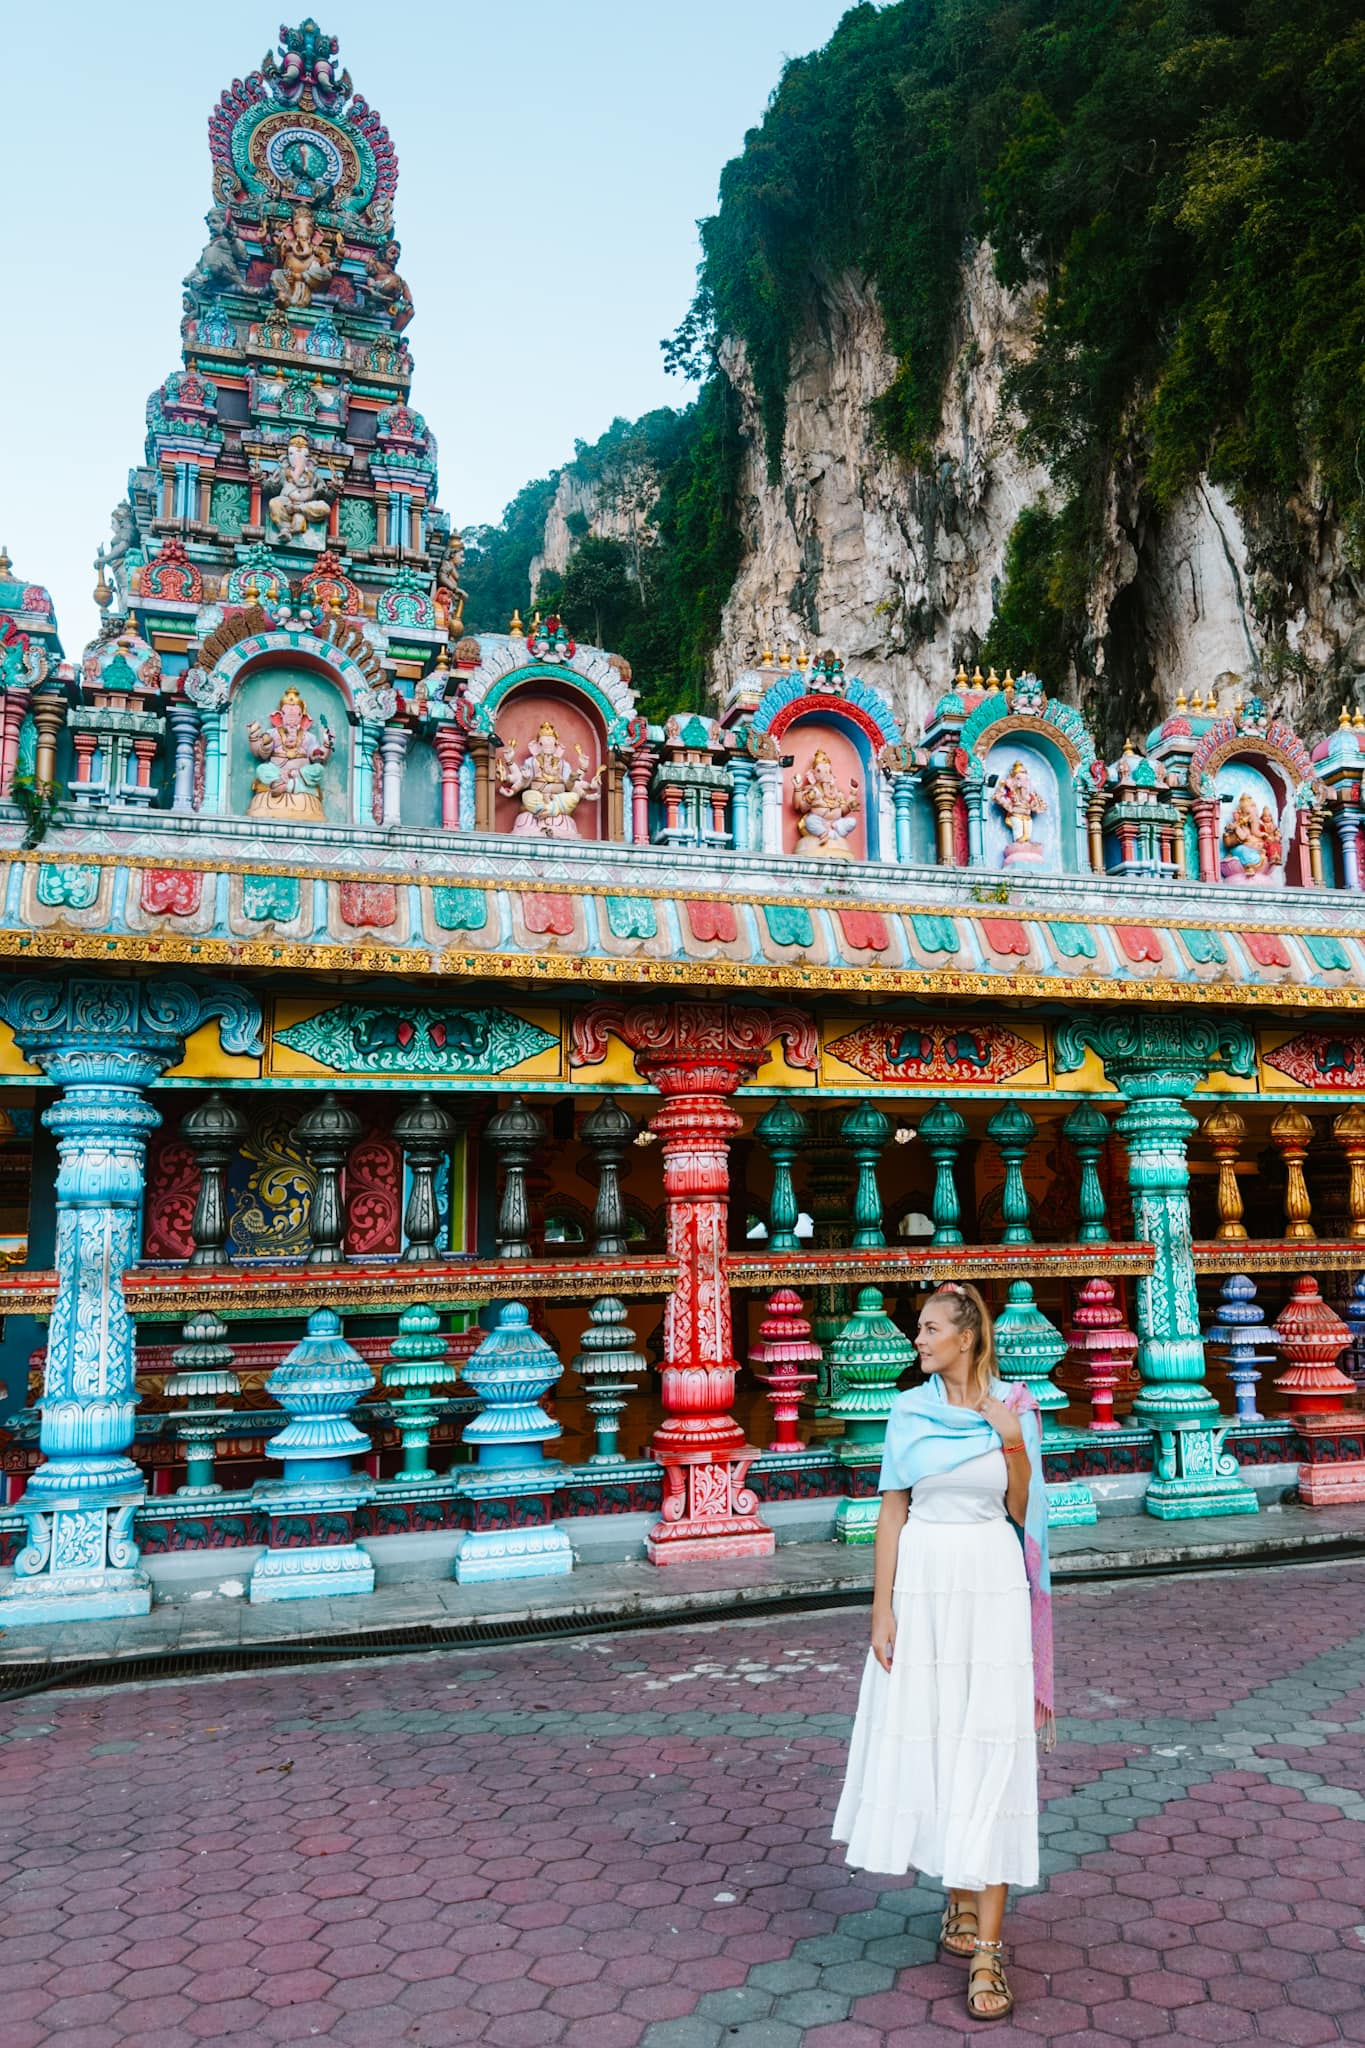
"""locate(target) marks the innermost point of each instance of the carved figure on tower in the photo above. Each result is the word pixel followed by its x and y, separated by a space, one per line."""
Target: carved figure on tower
pixel 222 265
pixel 828 814
pixel 387 285
pixel 307 257
pixel 448 586
pixel 299 493
pixel 549 785
pixel 1021 803
pixel 292 752
pixel 1252 848
pixel 109 563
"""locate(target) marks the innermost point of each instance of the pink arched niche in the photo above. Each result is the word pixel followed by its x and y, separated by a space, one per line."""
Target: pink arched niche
pixel 802 742
pixel 519 718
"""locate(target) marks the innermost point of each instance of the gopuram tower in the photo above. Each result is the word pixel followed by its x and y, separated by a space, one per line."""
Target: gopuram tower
pixel 286 501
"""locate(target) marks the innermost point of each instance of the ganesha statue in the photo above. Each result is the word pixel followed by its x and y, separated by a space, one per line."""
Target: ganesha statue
pixel 292 752
pixel 827 815
pixel 308 256
pixel 1021 803
pixel 1253 850
pixel 299 495
pixel 550 787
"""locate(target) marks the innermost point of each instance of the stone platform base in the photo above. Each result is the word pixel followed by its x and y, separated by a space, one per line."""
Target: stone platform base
pixel 543 1552
pixel 319 1570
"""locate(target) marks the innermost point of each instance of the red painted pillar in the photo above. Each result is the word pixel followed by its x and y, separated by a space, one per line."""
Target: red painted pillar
pixel 697 1055
pixel 15 704
pixel 450 744
pixel 640 767
pixel 1206 818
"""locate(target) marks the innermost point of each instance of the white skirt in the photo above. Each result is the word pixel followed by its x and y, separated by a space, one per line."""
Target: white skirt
pixel 942 1769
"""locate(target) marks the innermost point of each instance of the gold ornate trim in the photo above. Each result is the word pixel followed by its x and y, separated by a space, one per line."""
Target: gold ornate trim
pixel 637 970
pixel 933 1264
pixel 1333 1255
pixel 181 1292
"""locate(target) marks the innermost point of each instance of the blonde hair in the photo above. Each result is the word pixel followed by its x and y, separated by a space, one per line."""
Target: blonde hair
pixel 970 1313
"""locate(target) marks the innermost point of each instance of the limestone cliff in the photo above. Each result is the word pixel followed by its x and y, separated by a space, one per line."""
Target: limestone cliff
pixel 900 567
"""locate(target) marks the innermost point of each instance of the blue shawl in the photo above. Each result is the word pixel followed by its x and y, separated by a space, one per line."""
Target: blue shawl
pixel 927 1435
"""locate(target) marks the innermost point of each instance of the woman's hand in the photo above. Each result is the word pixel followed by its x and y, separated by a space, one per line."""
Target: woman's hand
pixel 1003 1420
pixel 883 1636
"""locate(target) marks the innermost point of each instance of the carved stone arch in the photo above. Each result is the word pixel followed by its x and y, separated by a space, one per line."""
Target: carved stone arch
pixel 614 721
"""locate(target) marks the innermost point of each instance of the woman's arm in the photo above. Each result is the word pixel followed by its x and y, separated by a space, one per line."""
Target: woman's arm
pixel 891 1520
pixel 1018 1472
pixel 1008 1426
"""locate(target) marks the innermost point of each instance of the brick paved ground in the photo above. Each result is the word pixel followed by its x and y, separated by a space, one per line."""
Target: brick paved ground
pixel 624 1843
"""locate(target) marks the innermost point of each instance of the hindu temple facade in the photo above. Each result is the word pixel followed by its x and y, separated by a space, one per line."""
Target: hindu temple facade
pixel 435 1100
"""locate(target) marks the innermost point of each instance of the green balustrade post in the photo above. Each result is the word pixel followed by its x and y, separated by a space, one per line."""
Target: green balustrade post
pixel 1156 1062
pixel 868 1357
pixel 1087 1131
pixel 865 1131
pixel 944 1131
pixel 1012 1131
pixel 783 1131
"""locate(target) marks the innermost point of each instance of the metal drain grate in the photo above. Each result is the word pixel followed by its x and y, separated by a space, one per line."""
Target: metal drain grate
pixel 21 1680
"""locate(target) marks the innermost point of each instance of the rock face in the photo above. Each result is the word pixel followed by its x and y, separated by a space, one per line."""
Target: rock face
pixel 615 506
pixel 896 570
pixel 899 568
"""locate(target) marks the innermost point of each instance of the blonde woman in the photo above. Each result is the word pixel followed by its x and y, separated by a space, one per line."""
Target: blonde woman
pixel 942 1770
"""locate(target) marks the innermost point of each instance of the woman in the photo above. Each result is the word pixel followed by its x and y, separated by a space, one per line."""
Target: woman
pixel 942 1769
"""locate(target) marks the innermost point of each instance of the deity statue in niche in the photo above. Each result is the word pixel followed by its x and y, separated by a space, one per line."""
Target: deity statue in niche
pixel 292 752
pixel 1021 803
pixel 828 814
pixel 1252 848
pixel 299 493
pixel 308 256
pixel 549 785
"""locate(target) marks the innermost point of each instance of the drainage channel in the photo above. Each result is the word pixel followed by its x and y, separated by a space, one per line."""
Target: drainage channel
pixel 22 1680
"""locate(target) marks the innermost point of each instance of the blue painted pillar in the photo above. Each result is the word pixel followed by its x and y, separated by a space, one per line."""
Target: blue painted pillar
pixel 903 800
pixel 1348 820
pixel 742 776
pixel 103 1043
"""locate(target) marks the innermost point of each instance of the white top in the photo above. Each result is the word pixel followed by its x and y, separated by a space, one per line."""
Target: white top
pixel 974 1492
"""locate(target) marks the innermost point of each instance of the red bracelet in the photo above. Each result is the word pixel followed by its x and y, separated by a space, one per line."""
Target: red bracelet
pixel 1010 1449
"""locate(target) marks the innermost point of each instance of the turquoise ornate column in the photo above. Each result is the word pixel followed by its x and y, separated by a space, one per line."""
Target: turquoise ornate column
pixel 865 1130
pixel 782 1132
pixel 104 1043
pixel 944 1131
pixel 1087 1128
pixel 1156 1062
pixel 1027 1345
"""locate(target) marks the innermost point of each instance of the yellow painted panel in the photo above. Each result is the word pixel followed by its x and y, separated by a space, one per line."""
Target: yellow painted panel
pixel 1226 1084
pixel 410 1031
pixel 12 1061
pixel 777 1070
pixel 616 1070
pixel 1088 1078
pixel 205 1059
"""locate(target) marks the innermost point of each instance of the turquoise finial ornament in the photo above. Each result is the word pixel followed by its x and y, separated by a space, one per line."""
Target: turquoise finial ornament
pixel 509 1372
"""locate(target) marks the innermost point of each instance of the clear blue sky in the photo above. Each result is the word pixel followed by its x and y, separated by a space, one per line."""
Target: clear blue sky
pixel 553 162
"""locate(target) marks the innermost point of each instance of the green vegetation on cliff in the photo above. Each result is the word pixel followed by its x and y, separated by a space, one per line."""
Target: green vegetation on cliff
pixel 652 591
pixel 1182 178
pixel 1182 181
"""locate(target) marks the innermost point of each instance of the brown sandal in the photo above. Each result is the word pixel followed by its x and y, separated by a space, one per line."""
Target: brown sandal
pixel 991 1966
pixel 952 1930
